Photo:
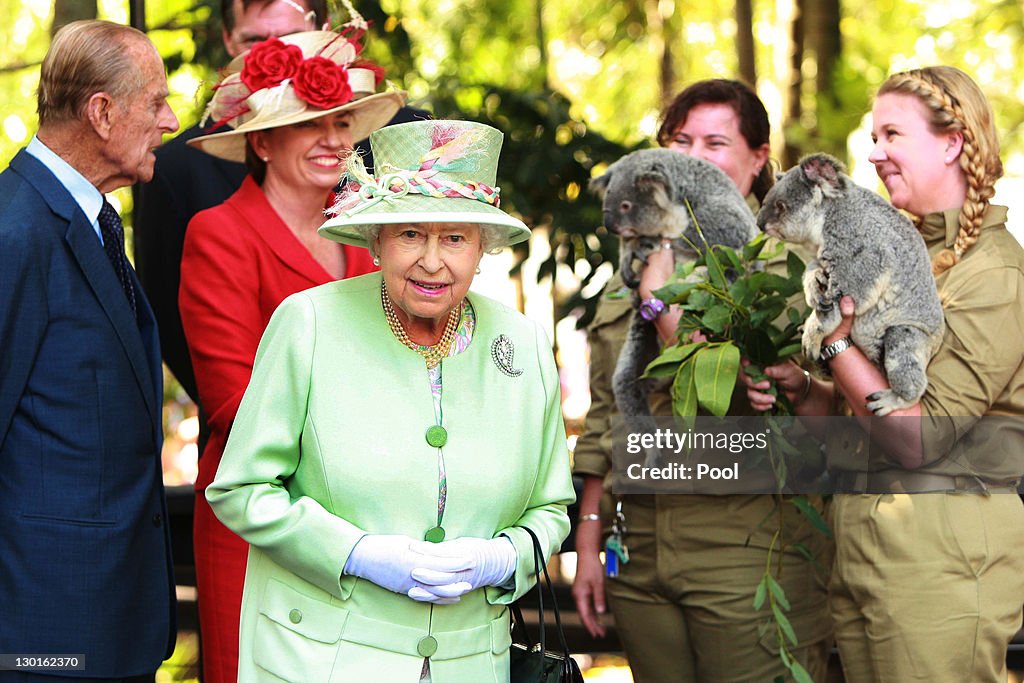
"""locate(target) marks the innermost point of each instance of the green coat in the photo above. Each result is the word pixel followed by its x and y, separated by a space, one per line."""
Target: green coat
pixel 329 444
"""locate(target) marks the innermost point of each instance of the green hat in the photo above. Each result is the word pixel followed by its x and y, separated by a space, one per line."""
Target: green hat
pixel 424 172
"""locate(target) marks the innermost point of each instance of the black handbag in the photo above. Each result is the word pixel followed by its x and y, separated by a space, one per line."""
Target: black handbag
pixel 531 662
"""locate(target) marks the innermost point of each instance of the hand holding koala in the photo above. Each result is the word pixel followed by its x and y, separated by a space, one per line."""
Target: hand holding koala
pixel 867 250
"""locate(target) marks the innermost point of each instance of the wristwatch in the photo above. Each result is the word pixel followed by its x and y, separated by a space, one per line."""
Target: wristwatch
pixel 651 308
pixel 830 351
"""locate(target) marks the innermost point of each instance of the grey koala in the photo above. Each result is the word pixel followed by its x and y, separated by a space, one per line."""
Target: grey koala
pixel 870 251
pixel 645 197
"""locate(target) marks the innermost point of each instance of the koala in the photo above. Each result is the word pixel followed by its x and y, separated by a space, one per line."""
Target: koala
pixel 645 197
pixel 868 250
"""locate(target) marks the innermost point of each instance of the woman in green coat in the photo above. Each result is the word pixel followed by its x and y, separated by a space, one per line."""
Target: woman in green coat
pixel 397 436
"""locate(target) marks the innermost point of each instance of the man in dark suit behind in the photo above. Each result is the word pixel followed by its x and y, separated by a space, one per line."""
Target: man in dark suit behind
pixel 85 566
pixel 187 180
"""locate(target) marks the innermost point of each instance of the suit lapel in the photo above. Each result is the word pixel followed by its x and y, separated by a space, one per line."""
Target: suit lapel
pixel 254 206
pixel 92 260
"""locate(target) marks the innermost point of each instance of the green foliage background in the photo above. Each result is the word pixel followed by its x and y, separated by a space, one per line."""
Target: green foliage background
pixel 576 85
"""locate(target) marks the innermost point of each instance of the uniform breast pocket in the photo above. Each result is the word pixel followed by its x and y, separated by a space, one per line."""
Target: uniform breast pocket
pixel 297 635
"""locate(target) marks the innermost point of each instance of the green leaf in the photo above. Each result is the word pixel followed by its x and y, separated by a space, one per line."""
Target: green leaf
pixel 812 515
pixel 716 273
pixel 803 550
pixel 727 255
pixel 620 293
pixel 795 316
pixel 699 300
pixel 759 347
pixel 800 674
pixel 675 292
pixel 777 591
pixel 794 265
pixel 716 318
pixel 761 593
pixel 767 313
pixel 715 373
pixel 752 249
pixel 684 391
pixel 783 622
pixel 789 350
pixel 666 364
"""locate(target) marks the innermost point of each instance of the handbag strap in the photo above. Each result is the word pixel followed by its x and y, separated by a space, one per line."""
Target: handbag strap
pixel 538 559
pixel 538 563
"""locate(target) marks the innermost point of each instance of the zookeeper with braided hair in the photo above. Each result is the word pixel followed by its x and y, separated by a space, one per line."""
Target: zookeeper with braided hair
pixel 928 580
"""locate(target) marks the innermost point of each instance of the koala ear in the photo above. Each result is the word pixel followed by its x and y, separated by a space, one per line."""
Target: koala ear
pixel 653 180
pixel 599 185
pixel 825 172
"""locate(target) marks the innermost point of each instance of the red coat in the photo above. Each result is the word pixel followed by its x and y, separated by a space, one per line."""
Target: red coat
pixel 239 262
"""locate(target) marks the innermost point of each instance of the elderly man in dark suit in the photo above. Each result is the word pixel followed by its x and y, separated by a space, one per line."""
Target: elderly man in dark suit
pixel 85 566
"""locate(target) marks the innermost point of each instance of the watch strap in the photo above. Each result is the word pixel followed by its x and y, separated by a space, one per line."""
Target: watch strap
pixel 830 351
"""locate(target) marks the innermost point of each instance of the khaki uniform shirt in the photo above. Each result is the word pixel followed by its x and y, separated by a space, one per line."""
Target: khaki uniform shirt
pixel 978 370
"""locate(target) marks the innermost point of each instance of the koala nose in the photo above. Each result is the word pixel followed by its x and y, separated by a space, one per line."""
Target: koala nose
pixel 611 221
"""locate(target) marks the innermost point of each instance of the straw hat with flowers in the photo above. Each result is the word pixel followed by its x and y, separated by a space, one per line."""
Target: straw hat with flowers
pixel 298 77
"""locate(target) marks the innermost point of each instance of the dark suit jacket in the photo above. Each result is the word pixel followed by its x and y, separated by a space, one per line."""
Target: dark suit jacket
pixel 85 564
pixel 185 182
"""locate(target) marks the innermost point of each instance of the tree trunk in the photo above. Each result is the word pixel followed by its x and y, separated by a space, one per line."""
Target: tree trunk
pixel 745 41
pixel 137 14
pixel 662 30
pixel 823 39
pixel 791 153
pixel 66 11
pixel 542 46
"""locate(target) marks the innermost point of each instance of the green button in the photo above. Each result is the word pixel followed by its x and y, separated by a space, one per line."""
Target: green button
pixel 437 436
pixel 295 616
pixel 427 646
pixel 434 535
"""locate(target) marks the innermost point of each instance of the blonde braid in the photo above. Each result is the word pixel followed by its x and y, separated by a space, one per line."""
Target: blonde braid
pixel 980 166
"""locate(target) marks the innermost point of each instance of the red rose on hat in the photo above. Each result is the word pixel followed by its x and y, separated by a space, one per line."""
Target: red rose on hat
pixel 269 63
pixel 322 84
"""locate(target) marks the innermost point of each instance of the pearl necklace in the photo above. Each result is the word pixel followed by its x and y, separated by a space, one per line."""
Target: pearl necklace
pixel 433 355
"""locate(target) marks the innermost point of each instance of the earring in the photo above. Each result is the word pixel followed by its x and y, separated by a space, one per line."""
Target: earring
pixel 376 260
pixel 478 270
pixel 266 160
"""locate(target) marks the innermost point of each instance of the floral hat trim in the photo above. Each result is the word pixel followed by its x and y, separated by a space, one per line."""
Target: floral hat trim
pixel 361 190
pixel 277 75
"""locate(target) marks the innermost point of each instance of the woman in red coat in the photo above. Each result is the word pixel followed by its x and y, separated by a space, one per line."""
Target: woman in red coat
pixel 292 103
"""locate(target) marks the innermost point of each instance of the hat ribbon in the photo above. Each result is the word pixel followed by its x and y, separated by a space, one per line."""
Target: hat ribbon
pixel 397 184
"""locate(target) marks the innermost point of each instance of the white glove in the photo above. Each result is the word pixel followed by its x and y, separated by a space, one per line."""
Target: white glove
pixel 389 560
pixel 493 563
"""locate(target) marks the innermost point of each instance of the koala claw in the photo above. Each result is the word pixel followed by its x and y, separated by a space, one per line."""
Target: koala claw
pixel 821 280
pixel 811 343
pixel 881 403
